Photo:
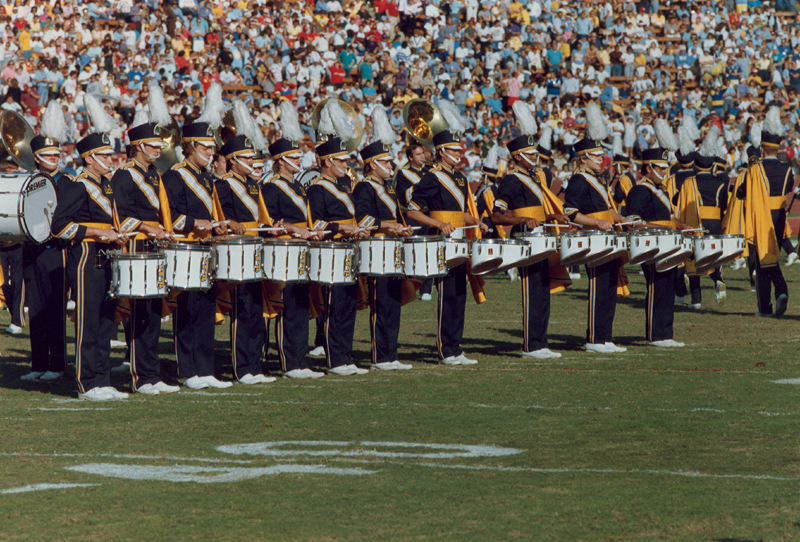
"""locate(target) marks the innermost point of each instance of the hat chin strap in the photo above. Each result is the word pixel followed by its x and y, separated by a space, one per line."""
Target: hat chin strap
pixel 206 161
pixel 150 156
pixel 249 169
pixel 46 161
pixel 657 174
pixel 532 163
pixel 102 165
pixel 291 165
pixel 342 172
pixel 454 160
pixel 386 171
pixel 595 161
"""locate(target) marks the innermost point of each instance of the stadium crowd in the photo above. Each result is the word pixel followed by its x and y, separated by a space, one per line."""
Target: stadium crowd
pixel 722 62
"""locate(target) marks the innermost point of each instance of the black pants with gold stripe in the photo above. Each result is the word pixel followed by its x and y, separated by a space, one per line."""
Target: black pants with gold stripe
pixel 659 302
pixel 94 316
pixel 450 318
pixel 46 292
pixel 291 327
pixel 766 277
pixel 602 302
pixel 193 331
pixel 535 305
pixel 14 283
pixel 339 323
pixel 248 331
pixel 384 317
pixel 143 330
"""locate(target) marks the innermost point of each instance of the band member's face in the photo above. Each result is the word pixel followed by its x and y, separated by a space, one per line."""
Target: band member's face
pixel 48 163
pixel 452 156
pixel 384 169
pixel 657 173
pixel 258 170
pixel 220 165
pixel 339 165
pixel 417 157
pixel 294 159
pixel 593 162
pixel 205 151
pixel 152 150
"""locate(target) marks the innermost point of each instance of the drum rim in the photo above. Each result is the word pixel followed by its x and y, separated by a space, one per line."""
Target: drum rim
pixel 187 247
pixel 237 240
pixel 496 241
pixel 522 234
pixel 137 256
pixel 285 242
pixel 382 239
pixel 424 238
pixel 332 244
pixel 467 241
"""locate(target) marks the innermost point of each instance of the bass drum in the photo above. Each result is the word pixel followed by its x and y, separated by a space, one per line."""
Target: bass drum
pixel 27 204
pixel 307 177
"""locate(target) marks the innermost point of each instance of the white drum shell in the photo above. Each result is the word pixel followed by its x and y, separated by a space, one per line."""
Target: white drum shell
pixel 677 258
pixel 643 247
pixel 707 250
pixel 575 246
pixel 188 266
pixel 424 257
pixel 516 252
pixel 381 256
pixel 27 204
pixel 487 255
pixel 285 260
pixel 238 258
pixel 456 251
pixel 619 248
pixel 138 276
pixel 333 263
pixel 543 245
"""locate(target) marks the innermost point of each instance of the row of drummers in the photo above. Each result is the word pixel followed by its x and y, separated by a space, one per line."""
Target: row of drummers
pixel 240 258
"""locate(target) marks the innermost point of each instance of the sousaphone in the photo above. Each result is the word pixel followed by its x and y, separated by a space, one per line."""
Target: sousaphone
pixel 351 144
pixel 227 131
pixel 423 120
pixel 172 137
pixel 15 140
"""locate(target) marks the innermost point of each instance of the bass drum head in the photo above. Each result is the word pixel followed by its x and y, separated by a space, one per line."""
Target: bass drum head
pixel 37 202
pixel 307 177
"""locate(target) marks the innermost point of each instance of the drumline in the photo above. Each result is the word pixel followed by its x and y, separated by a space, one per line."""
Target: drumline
pixel 240 258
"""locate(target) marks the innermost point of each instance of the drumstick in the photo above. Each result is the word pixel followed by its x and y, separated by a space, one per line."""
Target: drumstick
pixel 414 228
pixel 693 230
pixel 265 229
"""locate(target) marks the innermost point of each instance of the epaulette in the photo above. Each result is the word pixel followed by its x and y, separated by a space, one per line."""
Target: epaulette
pixel 178 165
pixel 435 167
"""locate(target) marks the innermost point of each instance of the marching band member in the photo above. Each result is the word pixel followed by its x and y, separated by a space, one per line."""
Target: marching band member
pixel 766 189
pixel 377 206
pixel 405 180
pixel 86 216
pixel 446 194
pixel 44 265
pixel 143 208
pixel 287 205
pixel 486 192
pixel 701 202
pixel 589 202
pixel 649 201
pixel 682 170
pixel 241 204
pixel 524 201
pixel 190 190
pixel 624 180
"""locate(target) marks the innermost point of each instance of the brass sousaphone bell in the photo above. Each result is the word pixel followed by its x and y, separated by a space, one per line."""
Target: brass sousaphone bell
pixel 15 140
pixel 351 144
pixel 227 131
pixel 171 134
pixel 423 120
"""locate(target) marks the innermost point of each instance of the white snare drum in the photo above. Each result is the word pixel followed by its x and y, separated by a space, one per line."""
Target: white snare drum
pixel 285 260
pixel 139 276
pixel 707 250
pixel 333 263
pixel 516 253
pixel 424 256
pixel 456 251
pixel 381 256
pixel 487 254
pixel 27 204
pixel 188 265
pixel 238 258
pixel 677 258
pixel 732 248
pixel 543 245
pixel 619 242
pixel 575 245
pixel 669 242
pixel 643 246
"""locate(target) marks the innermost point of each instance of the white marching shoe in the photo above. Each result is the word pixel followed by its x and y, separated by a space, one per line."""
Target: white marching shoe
pixel 347 370
pixel 542 353
pixel 450 360
pixel 695 306
pixel 302 373
pixel 248 379
pixel 792 258
pixel 147 389
pixel 425 297
pixel 513 273
pixel 605 348
pixel 318 352
pixel 96 394
pixel 667 343
pixel 721 292
pixel 116 394
pixel 33 375
pixel 166 388
pixel 50 375
pixel 738 263
pixel 214 383
pixel 465 360
pixel 401 366
pixel 70 305
pixel 616 348
pixel 195 383
pixel 119 344
pixel 574 276
pixel 13 329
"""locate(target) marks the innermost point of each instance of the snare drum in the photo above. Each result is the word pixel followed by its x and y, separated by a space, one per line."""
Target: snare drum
pixel 27 204
pixel 381 256
pixel 707 250
pixel 285 260
pixel 516 253
pixel 543 245
pixel 669 242
pixel 487 255
pixel 643 245
pixel 456 251
pixel 188 265
pixel 238 258
pixel 332 263
pixel 677 258
pixel 575 245
pixel 619 243
pixel 424 256
pixel 732 248
pixel 138 276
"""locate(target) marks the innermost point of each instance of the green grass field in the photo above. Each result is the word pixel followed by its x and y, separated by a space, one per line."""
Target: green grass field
pixel 692 444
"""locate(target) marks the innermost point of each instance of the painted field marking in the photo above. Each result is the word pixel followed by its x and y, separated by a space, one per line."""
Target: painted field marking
pixel 787 381
pixel 42 487
pixel 272 449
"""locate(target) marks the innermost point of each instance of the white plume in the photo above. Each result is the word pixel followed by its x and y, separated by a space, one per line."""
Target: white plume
pixel 258 140
pixel 685 142
pixel 630 134
pixel 547 137
pixel 213 107
pixel 692 131
pixel 325 127
pixel 709 146
pixel 616 146
pixel 159 113
pixel 666 139
pixel 140 118
pixel 102 122
pixel 341 124
pixel 755 134
pixel 772 123
pixel 456 122
pixel 493 156
pixel 242 120
pixel 722 148
pixel 381 129
pixel 290 125
pixel 595 123
pixel 53 125
pixel 525 120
